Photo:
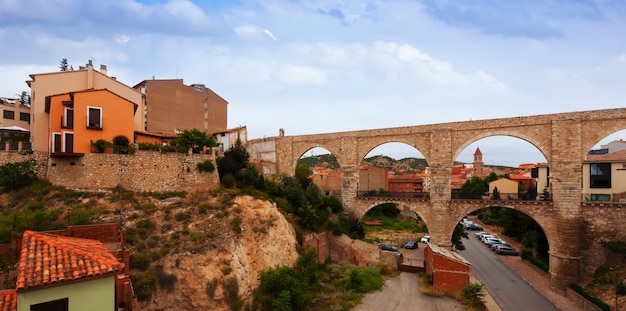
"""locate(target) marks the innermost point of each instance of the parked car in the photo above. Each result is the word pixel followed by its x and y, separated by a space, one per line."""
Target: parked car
pixel 493 246
pixel 387 247
pixel 491 241
pixel 473 227
pixel 411 245
pixel 479 235
pixel 425 239
pixel 506 250
pixel 486 236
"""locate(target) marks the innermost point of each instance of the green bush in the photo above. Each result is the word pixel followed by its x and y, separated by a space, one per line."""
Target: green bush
pixel 473 296
pixel 593 299
pixel 18 174
pixel 206 166
pixel 101 144
pixel 211 286
pixel 228 181
pixel 166 280
pixel 144 284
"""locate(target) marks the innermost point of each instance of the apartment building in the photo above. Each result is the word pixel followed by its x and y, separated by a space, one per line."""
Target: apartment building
pixel 604 177
pixel 14 114
pixel 169 106
pixel 79 118
pixel 45 85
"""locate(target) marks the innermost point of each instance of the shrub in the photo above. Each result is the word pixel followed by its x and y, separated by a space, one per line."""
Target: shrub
pixel 17 175
pixel 144 284
pixel 101 144
pixel 472 296
pixel 595 300
pixel 211 286
pixel 228 181
pixel 206 166
pixel 182 216
pixel 231 293
pixel 166 280
pixel 236 225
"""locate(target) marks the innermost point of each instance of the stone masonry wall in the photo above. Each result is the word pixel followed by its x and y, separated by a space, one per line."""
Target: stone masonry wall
pixel 142 171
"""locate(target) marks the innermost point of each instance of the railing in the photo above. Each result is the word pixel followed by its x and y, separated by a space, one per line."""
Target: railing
pixel 393 194
pixel 457 196
pixel 500 196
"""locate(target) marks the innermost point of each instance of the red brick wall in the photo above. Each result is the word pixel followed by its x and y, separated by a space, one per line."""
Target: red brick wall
pixel 448 274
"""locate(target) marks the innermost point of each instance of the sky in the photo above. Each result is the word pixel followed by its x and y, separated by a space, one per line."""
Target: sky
pixel 321 66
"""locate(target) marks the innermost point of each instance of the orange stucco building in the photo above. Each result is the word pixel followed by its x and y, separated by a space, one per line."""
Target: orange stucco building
pixel 44 85
pixel 78 118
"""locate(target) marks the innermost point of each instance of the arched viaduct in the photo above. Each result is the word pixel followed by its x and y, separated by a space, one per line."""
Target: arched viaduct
pixel 563 138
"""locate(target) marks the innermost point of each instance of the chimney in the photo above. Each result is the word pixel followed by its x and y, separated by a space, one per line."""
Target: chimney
pixel 90 63
pixel 103 69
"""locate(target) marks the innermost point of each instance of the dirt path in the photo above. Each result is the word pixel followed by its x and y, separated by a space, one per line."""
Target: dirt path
pixel 402 293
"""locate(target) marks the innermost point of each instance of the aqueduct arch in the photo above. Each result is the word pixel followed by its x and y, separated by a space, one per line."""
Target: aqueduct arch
pixel 563 138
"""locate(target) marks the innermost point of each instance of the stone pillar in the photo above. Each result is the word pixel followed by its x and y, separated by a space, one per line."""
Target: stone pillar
pixel 565 174
pixel 440 164
pixel 349 187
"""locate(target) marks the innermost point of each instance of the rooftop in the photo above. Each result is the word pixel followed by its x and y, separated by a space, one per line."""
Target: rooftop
pixel 8 300
pixel 47 259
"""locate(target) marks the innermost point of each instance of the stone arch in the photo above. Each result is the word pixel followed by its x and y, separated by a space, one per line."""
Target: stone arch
pixel 543 220
pixel 593 137
pixel 421 211
pixel 302 149
pixel 540 144
pixel 366 145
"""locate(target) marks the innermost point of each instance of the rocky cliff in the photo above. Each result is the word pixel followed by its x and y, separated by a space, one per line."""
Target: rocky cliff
pixel 238 241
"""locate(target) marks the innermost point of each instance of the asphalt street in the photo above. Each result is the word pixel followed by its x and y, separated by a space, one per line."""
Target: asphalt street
pixel 508 289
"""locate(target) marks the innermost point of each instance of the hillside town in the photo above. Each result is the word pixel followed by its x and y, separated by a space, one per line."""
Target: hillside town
pixel 77 121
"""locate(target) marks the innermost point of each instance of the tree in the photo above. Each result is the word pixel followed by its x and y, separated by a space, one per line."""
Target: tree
pixel 64 66
pixel 194 139
pixel 234 160
pixel 18 174
pixel 302 174
pixel 24 99
pixel 457 235
pixel 473 188
pixel 496 194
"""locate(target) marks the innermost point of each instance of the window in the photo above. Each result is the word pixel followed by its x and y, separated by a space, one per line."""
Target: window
pixel 68 118
pixel 94 118
pixel 600 197
pixel 600 175
pixel 55 305
pixel 8 114
pixel 25 116
pixel 56 143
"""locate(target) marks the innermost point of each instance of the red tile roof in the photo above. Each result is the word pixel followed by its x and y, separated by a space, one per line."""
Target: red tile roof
pixel 8 300
pixel 48 259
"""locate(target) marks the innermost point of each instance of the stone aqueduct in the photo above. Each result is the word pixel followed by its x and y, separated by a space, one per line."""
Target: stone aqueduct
pixel 573 227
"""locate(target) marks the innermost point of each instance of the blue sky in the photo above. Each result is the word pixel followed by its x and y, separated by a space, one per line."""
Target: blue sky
pixel 316 66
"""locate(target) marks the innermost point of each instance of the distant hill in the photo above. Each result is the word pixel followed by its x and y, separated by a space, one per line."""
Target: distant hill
pixel 402 166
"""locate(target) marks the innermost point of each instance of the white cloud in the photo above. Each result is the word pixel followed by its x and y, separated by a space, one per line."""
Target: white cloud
pixel 122 39
pixel 294 74
pixel 621 58
pixel 270 34
pixel 246 30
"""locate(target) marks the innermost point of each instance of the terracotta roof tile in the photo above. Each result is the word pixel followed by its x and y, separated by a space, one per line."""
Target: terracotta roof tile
pixel 48 258
pixel 8 300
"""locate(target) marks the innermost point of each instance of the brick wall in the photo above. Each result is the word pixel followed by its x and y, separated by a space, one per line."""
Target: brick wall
pixel 448 274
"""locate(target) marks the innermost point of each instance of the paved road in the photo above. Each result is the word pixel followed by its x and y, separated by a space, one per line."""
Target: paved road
pixel 508 289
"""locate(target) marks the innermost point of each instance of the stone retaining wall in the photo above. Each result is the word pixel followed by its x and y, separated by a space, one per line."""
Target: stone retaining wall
pixel 142 171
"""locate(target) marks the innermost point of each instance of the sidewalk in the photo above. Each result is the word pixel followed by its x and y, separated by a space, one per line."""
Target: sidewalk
pixel 540 282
